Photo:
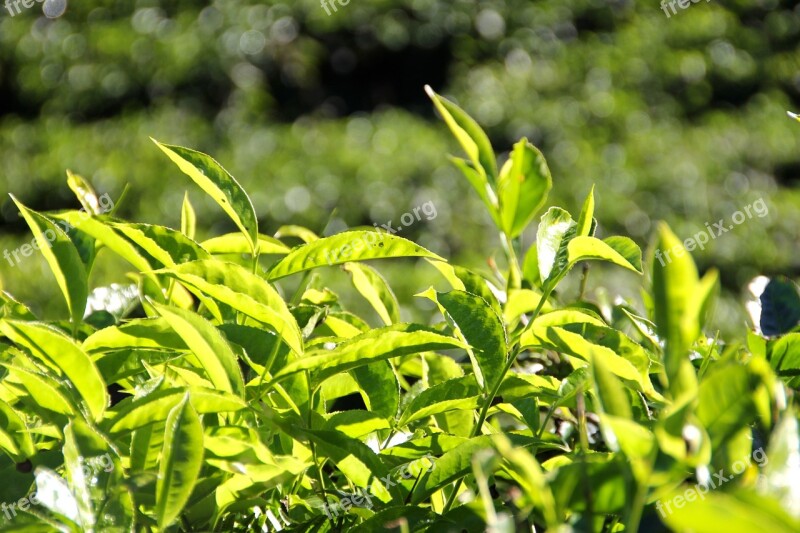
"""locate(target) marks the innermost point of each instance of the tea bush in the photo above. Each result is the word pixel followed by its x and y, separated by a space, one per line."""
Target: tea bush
pixel 226 387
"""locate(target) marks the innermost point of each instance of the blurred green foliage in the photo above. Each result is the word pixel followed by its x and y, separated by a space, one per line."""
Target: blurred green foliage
pixel 679 118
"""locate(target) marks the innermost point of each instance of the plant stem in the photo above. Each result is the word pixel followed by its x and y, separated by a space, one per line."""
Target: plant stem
pixel 514 273
pixel 584 279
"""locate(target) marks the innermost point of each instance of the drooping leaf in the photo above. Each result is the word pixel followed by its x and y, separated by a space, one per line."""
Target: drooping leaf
pixel 139 412
pixel 101 228
pixel 344 247
pixel 94 473
pixel 375 345
pixel 618 250
pixel 237 243
pixel 374 288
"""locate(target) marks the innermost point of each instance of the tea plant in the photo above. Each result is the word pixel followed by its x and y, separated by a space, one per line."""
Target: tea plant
pixel 207 396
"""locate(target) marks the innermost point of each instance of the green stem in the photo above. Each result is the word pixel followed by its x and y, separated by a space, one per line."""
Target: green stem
pixel 514 272
pixel 584 279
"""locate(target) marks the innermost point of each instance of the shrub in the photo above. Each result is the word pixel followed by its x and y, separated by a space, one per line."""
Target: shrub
pixel 201 397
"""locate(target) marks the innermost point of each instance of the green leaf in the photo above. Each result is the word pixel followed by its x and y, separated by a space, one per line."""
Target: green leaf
pixel 165 245
pixel 356 423
pixel 181 461
pixel 375 345
pixel 62 354
pixel 85 193
pixel 373 287
pixel 45 392
pixel 782 468
pixel 15 438
pixel 725 402
pixel 145 333
pixel 585 220
pixel 155 407
pixel 101 229
pixel 618 250
pixel 62 256
pixel 527 472
pixel 94 473
pixel 219 185
pixel 679 299
pixel 236 243
pixel 478 326
pixel 783 355
pixel 11 308
pixel 378 387
pixel 463 279
pixel 457 463
pixel 737 512
pixel 536 330
pixel 454 394
pixel 523 186
pixel 208 344
pixel 555 231
pixel 469 134
pixel 609 390
pixel 188 217
pixel 245 292
pixel 344 247
pixel 564 341
pixel 481 185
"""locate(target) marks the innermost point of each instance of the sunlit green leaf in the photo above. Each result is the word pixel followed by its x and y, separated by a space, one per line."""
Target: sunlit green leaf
pixel 219 185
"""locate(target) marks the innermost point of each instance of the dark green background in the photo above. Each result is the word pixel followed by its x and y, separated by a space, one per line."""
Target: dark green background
pixel 679 118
